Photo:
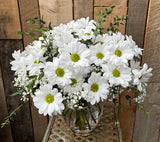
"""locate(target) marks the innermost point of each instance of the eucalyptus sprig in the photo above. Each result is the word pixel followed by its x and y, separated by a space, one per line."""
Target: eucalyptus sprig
pixel 102 16
pixel 40 25
pixel 114 27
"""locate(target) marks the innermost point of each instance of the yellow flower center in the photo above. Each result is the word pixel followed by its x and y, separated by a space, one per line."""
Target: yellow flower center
pixel 49 99
pixel 87 34
pixel 118 53
pixel 94 87
pixel 75 57
pixel 99 55
pixel 35 62
pixel 74 81
pixel 60 72
pixel 116 73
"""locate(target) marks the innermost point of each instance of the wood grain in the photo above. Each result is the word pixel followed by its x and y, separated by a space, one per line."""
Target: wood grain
pixel 110 2
pixel 5 133
pixel 9 20
pixel 22 130
pixel 117 11
pixel 31 11
pixel 127 117
pixel 83 8
pixel 40 123
pixel 137 15
pixel 56 11
pixel 147 127
pixel 151 45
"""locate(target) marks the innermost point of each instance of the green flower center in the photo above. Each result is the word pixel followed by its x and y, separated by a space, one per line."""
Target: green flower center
pixel 35 62
pixel 94 87
pixel 118 53
pixel 116 73
pixel 74 81
pixel 49 99
pixel 87 34
pixel 99 55
pixel 75 57
pixel 60 72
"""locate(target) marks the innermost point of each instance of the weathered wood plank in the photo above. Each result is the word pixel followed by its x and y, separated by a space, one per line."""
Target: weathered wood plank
pixel 147 126
pixel 40 124
pixel 56 11
pixel 135 27
pixel 38 121
pixel 137 15
pixel 151 45
pixel 127 117
pixel 5 133
pixel 117 11
pixel 110 2
pixel 28 9
pixel 83 8
pixel 9 20
pixel 22 130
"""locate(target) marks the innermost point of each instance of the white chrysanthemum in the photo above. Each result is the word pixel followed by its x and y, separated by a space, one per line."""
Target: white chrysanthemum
pixel 48 100
pixel 75 85
pixel 76 55
pixel 117 75
pixel 97 88
pixel 18 64
pixel 141 76
pixel 103 39
pixel 120 53
pixel 98 54
pixel 137 51
pixel 57 73
pixel 135 65
pixel 36 50
pixel 62 37
pixel 82 28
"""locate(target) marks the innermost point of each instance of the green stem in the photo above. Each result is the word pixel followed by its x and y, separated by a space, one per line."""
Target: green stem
pixel 8 118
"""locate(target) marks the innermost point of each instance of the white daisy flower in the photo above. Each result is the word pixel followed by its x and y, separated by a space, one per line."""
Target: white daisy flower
pixel 57 73
pixel 137 51
pixel 76 55
pixel 97 88
pixel 141 76
pixel 103 39
pixel 134 65
pixel 18 64
pixel 98 54
pixel 117 75
pixel 75 85
pixel 120 53
pixel 48 100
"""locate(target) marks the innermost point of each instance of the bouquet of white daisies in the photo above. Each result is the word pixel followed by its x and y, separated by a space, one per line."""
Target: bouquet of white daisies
pixel 74 65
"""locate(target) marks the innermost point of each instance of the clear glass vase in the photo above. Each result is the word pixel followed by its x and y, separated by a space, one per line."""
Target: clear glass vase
pixel 83 121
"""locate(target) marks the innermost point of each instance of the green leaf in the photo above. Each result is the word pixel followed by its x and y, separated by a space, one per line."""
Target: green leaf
pixel 50 27
pixel 35 17
pixel 19 32
pixel 128 97
pixel 32 34
pixel 17 93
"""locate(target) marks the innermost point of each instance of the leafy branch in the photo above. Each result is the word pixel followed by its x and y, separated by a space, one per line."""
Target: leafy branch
pixel 40 28
pixel 11 115
pixel 117 22
pixel 102 15
pixel 141 107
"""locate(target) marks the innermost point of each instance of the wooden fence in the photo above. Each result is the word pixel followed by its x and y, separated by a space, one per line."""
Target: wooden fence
pixel 143 24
